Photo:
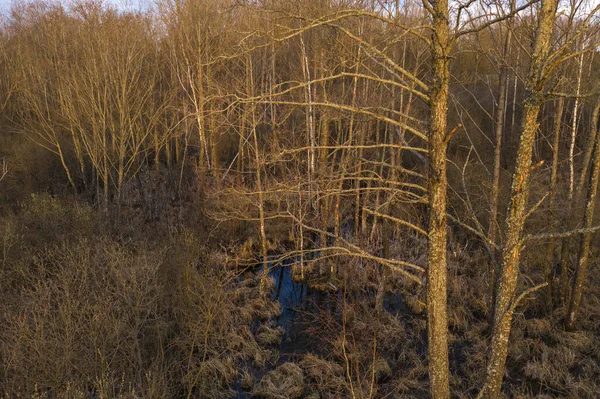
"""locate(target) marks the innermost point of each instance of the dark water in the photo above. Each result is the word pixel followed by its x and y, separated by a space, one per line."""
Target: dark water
pixel 300 305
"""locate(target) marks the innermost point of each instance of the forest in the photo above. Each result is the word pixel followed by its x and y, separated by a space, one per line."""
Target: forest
pixel 300 199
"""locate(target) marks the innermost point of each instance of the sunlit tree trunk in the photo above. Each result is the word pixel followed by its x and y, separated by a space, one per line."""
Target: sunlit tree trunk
pixel 551 259
pixel 584 248
pixel 324 201
pixel 509 269
pixel 437 319
pixel 574 197
pixel 250 88
pixel 499 131
pixel 241 140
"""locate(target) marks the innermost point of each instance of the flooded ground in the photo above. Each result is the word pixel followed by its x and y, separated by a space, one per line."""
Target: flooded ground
pixel 301 303
pixel 299 306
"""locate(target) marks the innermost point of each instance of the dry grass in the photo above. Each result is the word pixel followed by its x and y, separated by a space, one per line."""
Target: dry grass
pixel 285 382
pixel 323 374
pixel 84 312
pixel 87 311
pixel 543 361
pixel 269 334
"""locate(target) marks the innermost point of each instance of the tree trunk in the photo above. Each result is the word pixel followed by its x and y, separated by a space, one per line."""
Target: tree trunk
pixel 324 202
pixel 514 99
pixel 584 249
pixel 500 113
pixel 241 139
pixel 357 195
pixel 493 221
pixel 385 233
pixel 214 145
pixel 437 319
pixel 574 197
pixel 199 105
pixel 551 260
pixel 574 130
pixel 250 91
pixel 515 220
pixel 63 162
pixel 310 123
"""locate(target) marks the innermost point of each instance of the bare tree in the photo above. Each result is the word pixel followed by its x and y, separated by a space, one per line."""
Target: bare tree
pixel 436 186
pixel 506 300
pixel 588 221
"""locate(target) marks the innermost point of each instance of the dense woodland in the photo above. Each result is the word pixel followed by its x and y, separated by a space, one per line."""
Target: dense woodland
pixel 425 172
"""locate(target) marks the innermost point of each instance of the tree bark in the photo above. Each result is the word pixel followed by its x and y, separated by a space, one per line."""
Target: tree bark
pixel 515 220
pixel 324 202
pixel 551 260
pixel 584 249
pixel 500 114
pixel 250 89
pixel 437 318
pixel 574 130
pixel 574 196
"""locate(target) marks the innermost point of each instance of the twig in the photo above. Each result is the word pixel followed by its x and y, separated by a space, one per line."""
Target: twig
pixel 452 133
pixel 523 295
pixel 560 235
pixel 4 170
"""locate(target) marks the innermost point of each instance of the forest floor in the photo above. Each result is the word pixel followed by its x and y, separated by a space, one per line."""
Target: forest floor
pixel 142 308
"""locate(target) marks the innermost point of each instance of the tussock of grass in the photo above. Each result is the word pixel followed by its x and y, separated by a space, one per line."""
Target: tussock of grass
pixel 265 309
pixel 325 376
pixel 537 327
pixel 285 382
pixel 269 334
pixel 381 369
pixel 247 380
pixel 416 305
pixel 213 377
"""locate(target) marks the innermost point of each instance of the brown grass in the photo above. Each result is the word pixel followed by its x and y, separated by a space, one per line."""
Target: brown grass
pixel 285 382
pixel 86 312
